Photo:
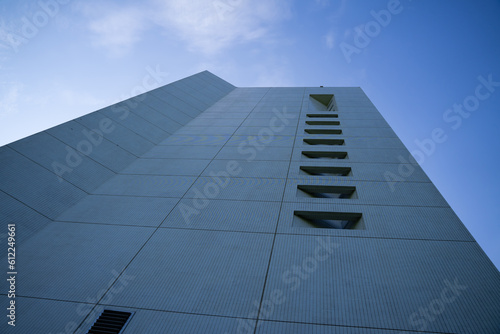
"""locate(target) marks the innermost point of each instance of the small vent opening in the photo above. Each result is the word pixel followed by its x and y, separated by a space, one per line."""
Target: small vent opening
pixel 323 115
pixel 333 220
pixel 334 142
pixel 326 191
pixel 323 122
pixel 110 322
pixel 323 131
pixel 324 155
pixel 326 171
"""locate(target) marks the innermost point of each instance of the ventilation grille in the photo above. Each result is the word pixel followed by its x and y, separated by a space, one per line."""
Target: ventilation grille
pixel 110 322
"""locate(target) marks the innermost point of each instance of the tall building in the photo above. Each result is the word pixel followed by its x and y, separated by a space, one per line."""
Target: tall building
pixel 200 207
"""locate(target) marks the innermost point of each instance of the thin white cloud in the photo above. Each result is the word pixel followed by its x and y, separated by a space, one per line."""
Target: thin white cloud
pixel 330 40
pixel 277 73
pixel 62 99
pixel 118 29
pixel 336 8
pixel 5 36
pixel 211 26
pixel 9 96
pixel 356 78
pixel 206 26
pixel 339 9
pixel 73 98
pixel 322 3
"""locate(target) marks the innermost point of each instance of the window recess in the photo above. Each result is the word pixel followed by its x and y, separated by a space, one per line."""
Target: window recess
pixel 332 220
pixel 315 191
pixel 326 171
pixel 324 155
pixel 323 131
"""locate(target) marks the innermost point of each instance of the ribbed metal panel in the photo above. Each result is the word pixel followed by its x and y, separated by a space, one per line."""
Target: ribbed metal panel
pixel 277 140
pixel 203 130
pixel 166 109
pixel 200 272
pixel 187 167
pixel 138 124
pixel 27 220
pixel 75 262
pixel 46 316
pixel 146 185
pixel 246 189
pixel 120 135
pixel 155 322
pixel 195 140
pixel 180 152
pixel 250 153
pixel 120 210
pixel 189 250
pixel 35 186
pixel 225 215
pixel 46 150
pixel 254 169
pixel 299 328
pixel 381 283
pixel 106 152
pixel 214 122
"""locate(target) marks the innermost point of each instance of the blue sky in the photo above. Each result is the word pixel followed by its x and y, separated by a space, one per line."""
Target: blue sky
pixel 418 63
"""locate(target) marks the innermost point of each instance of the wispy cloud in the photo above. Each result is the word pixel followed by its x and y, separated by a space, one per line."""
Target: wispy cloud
pixel 323 3
pixel 83 99
pixel 5 36
pixel 206 26
pixel 9 95
pixel 118 28
pixel 356 78
pixel 330 40
pixel 277 73
pixel 63 100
